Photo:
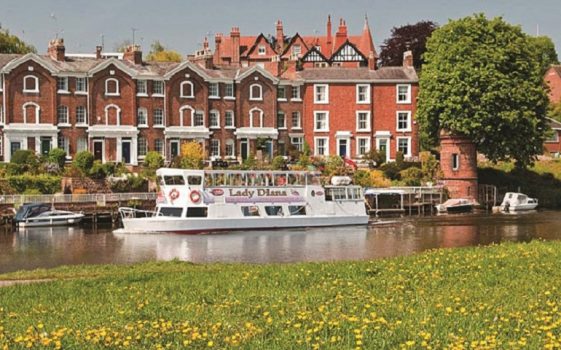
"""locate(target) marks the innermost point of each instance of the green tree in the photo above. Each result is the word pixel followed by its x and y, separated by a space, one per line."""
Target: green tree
pixel 483 80
pixel 12 44
pixel 83 161
pixel 57 156
pixel 160 53
pixel 544 48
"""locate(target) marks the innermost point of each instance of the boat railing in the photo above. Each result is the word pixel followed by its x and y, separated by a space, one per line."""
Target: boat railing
pixel 130 213
pixel 98 198
pixel 343 193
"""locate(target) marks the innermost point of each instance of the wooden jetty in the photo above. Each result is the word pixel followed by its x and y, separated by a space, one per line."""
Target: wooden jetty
pixel 418 200
pixel 96 207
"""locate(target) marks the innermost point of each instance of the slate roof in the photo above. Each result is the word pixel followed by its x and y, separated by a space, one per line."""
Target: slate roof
pixel 354 74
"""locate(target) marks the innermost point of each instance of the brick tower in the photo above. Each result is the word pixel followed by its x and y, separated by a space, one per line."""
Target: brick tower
pixel 458 161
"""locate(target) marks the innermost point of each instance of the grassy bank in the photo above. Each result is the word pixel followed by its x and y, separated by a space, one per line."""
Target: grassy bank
pixel 542 181
pixel 503 296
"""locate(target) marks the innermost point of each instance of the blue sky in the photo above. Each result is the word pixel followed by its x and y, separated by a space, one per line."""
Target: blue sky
pixel 182 24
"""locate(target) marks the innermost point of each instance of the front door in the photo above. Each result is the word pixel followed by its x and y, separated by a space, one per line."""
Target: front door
pixel 174 149
pixel 244 149
pixel 45 145
pixel 126 152
pixel 343 147
pixel 98 150
pixel 14 146
pixel 383 147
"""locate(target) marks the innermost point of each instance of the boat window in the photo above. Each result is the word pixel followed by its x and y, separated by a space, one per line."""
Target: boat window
pixel 335 193
pixel 218 179
pixel 296 179
pixel 273 210
pixel 171 211
pixel 250 211
pixel 296 210
pixel 313 179
pixel 353 193
pixel 194 180
pixel 238 180
pixel 209 180
pixel 197 212
pixel 174 180
pixel 160 180
pixel 257 180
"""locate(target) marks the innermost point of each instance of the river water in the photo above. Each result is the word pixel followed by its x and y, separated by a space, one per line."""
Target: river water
pixel 50 247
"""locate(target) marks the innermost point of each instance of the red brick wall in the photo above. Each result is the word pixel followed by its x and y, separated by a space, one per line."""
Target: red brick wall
pixel 553 80
pixel 267 104
pixel 126 100
pixel 461 183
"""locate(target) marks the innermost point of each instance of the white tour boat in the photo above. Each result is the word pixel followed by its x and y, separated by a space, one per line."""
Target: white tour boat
pixel 41 214
pixel 518 202
pixel 197 201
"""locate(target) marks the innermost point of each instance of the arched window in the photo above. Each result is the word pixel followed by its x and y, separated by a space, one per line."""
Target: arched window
pixel 187 89
pixel 186 114
pixel 62 115
pixel 255 118
pixel 214 121
pixel 255 92
pixel 142 117
pixel 112 87
pixel 31 113
pixel 30 84
pixel 112 115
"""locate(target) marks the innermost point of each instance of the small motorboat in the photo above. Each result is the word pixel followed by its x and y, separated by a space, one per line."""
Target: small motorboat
pixel 456 205
pixel 515 201
pixel 34 214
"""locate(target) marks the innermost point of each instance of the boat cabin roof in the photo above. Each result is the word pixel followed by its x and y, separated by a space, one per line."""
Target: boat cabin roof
pixel 189 172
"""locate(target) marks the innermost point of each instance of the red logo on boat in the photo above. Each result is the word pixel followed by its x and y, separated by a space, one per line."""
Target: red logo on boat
pixel 217 192
pixel 295 193
pixel 319 193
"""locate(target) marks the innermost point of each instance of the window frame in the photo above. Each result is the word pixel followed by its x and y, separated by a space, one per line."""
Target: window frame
pixel 139 83
pixel 281 97
pixel 407 96
pixel 66 121
pixel 145 116
pixel 408 138
pixel 78 140
pixel 326 129
pixel 117 87
pixel 368 144
pixel 299 125
pixel 210 117
pixel 162 145
pixel 31 91
pixel 141 147
pixel 281 127
pixel 85 122
pixel 326 146
pixel 228 143
pixel 455 161
pixel 228 96
pixel 296 90
pixel 226 124
pixel 214 143
pixel 195 116
pixel 182 91
pixel 211 87
pixel 298 145
pixel 253 98
pixel 367 94
pixel 397 115
pixel 368 127
pixel 83 91
pixel 163 123
pixel 66 142
pixel 261 50
pixel 65 85
pixel 158 83
pixel 325 100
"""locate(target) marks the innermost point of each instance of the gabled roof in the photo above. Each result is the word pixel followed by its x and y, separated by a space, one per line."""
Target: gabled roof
pixel 245 72
pixel 314 51
pixel 349 47
pixel 291 42
pixel 362 74
pixel 119 64
pixel 47 64
pixel 254 46
pixel 187 64
pixel 553 124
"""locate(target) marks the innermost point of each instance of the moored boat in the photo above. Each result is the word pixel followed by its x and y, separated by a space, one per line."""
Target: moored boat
pixel 41 214
pixel 200 201
pixel 514 201
pixel 456 205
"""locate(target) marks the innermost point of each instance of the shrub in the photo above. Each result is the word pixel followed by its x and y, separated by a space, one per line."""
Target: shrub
pixel 153 161
pixel 57 156
pixel 411 176
pixel 334 166
pixel 192 155
pixel 362 178
pixel 278 163
pixel 23 161
pixel 375 157
pixel 250 163
pixel 97 170
pixel 83 161
pixel 391 170
pixel 45 184
pixel 130 183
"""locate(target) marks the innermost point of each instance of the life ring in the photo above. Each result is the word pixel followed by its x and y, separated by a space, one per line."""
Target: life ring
pixel 173 194
pixel 195 196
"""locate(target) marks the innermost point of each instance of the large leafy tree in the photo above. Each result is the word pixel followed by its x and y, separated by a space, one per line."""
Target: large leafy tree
pixel 158 52
pixel 483 79
pixel 408 37
pixel 544 48
pixel 12 44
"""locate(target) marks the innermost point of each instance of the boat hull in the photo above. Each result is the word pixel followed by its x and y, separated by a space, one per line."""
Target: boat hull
pixel 49 222
pixel 205 225
pixel 522 207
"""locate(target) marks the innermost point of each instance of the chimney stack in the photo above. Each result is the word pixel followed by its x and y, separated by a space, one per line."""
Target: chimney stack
pixel 408 59
pixel 98 52
pixel 329 39
pixel 56 49
pixel 341 35
pixel 371 61
pixel 217 46
pixel 235 36
pixel 280 37
pixel 133 54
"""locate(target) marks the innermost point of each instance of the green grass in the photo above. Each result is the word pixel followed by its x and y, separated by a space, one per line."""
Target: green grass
pixel 504 296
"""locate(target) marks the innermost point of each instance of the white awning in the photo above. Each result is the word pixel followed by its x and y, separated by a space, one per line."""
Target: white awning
pixel 382 134
pixel 253 133
pixel 112 131
pixel 187 132
pixel 31 129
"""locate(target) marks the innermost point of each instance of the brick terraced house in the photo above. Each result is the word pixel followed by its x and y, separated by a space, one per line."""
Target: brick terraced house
pixel 275 93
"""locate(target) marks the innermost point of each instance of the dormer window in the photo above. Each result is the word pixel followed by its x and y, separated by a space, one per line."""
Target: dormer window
pixel 261 50
pixel 255 92
pixel 296 50
pixel 62 85
pixel 111 87
pixel 141 88
pixel 30 84
pixel 187 90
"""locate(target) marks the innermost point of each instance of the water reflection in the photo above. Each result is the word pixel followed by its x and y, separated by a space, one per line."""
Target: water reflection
pixel 49 247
